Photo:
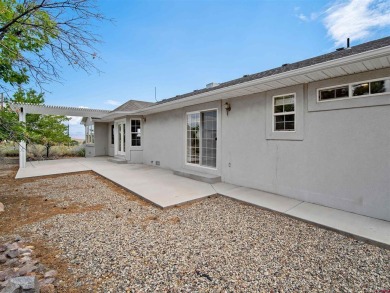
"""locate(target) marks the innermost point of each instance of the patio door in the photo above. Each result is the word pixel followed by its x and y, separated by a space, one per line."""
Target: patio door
pixel 202 138
pixel 121 138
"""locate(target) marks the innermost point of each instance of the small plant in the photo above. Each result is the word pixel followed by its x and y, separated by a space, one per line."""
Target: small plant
pixel 81 152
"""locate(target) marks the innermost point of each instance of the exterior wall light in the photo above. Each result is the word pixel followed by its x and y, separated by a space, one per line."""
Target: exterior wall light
pixel 228 108
pixel 144 119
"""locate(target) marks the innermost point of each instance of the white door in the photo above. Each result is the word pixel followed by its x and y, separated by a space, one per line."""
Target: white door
pixel 120 138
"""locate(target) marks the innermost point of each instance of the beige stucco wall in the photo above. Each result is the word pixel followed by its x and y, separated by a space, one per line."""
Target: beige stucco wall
pixel 341 159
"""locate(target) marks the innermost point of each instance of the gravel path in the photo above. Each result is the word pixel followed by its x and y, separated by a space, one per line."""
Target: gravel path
pixel 213 245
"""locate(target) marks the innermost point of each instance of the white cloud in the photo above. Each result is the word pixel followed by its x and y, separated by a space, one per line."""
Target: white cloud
pixel 306 18
pixel 76 130
pixel 356 19
pixel 113 102
pixel 74 120
pixel 303 17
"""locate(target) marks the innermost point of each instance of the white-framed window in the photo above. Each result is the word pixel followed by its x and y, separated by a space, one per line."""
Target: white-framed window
pixel 283 110
pixel 354 90
pixel 89 134
pixel 135 132
pixel 202 138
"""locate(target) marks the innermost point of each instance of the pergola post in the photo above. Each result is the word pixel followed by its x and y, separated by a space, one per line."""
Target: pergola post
pixel 22 144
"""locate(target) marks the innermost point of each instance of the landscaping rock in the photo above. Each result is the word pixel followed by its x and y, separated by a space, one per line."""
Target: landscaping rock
pixel 51 274
pixel 220 246
pixel 1 207
pixel 3 259
pixel 12 253
pixel 3 285
pixel 12 262
pixel 3 247
pixel 26 269
pixel 47 288
pixel 3 275
pixel 13 246
pixel 48 281
pixel 18 238
pixel 25 250
pixel 25 259
pixel 22 285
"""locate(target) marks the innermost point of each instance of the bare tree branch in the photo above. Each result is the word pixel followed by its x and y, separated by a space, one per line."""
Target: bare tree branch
pixel 42 35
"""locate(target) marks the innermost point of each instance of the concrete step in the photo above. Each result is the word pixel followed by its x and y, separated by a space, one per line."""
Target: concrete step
pixel 117 160
pixel 207 178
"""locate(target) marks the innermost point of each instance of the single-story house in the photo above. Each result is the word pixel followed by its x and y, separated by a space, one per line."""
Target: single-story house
pixel 317 130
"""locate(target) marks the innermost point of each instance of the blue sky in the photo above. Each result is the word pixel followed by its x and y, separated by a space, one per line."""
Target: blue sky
pixel 180 46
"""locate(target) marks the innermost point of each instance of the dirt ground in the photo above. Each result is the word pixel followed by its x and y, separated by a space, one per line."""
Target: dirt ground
pixel 21 210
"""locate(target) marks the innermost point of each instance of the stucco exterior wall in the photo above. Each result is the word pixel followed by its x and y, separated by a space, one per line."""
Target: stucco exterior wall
pixel 342 161
pixel 89 150
pixel 339 157
pixel 165 139
pixel 101 133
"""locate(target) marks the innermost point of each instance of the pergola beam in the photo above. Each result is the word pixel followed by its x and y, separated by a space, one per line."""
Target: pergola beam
pixel 23 109
pixel 59 110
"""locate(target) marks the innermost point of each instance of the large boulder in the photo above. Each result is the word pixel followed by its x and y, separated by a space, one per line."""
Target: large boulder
pixel 22 285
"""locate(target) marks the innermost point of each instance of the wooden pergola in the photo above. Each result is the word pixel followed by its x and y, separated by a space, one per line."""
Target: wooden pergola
pixel 24 109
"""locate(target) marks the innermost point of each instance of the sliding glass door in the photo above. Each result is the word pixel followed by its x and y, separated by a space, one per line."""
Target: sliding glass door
pixel 202 138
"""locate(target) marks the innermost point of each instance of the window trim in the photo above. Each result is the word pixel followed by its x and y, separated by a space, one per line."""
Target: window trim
pixel 200 137
pixel 284 113
pixel 131 132
pixel 112 138
pixel 350 85
pixel 87 134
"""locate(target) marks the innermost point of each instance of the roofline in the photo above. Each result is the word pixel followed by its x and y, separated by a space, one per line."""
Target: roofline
pixel 58 110
pixel 287 74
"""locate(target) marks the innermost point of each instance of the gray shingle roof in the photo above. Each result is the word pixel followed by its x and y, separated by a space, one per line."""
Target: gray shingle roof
pixel 133 105
pixel 293 66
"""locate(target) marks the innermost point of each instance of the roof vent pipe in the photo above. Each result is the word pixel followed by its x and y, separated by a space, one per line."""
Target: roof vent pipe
pixel 348 47
pixel 211 84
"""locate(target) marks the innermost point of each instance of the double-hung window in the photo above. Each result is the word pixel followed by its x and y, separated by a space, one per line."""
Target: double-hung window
pixel 135 132
pixel 89 134
pixel 202 138
pixel 284 113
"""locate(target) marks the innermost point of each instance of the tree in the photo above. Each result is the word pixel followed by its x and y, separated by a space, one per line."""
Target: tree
pixel 10 127
pixel 35 36
pixel 47 130
pixel 51 131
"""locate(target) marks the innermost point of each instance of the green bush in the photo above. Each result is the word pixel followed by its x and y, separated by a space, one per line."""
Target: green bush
pixel 38 152
pixel 81 152
pixel 9 149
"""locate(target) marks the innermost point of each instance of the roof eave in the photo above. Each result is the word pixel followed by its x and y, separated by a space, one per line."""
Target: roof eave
pixel 288 74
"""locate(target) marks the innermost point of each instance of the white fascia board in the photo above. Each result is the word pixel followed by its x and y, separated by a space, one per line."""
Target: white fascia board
pixel 117 114
pixel 58 110
pixel 213 95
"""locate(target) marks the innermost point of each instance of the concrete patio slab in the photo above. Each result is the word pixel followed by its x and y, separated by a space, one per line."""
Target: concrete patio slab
pixel 157 185
pixel 164 189
pixel 45 168
pixel 263 199
pixel 360 226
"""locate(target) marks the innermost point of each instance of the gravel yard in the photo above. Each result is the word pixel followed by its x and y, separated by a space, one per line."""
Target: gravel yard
pixel 104 239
